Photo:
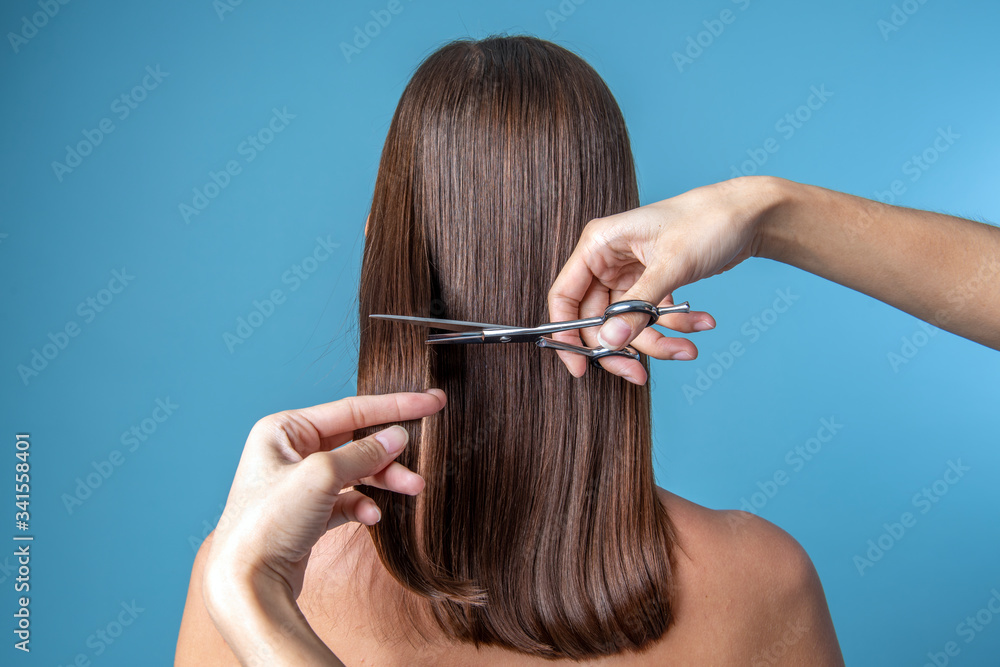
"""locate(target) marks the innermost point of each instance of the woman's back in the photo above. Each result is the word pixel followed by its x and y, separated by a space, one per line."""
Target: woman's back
pixel 746 594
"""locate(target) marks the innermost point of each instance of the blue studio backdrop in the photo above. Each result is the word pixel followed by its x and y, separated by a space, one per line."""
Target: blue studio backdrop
pixel 184 188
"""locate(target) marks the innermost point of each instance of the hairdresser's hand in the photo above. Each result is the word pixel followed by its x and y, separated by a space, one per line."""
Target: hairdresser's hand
pixel 646 254
pixel 288 492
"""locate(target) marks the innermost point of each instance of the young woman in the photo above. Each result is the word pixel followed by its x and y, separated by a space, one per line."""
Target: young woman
pixel 535 533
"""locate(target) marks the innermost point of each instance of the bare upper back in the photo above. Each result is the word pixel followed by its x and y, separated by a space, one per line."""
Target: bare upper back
pixel 747 593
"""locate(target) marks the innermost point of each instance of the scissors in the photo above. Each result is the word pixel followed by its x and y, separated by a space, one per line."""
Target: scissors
pixel 479 332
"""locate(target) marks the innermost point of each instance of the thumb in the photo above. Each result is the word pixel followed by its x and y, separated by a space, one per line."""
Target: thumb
pixel 365 457
pixel 652 286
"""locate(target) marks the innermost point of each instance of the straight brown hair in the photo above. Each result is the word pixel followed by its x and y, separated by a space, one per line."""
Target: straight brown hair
pixel 539 529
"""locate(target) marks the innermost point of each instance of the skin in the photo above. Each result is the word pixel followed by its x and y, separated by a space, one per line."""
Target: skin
pixel 276 582
pixel 741 580
pixel 937 267
pixel 291 487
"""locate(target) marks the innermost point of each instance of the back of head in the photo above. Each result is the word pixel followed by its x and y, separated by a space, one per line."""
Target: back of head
pixel 539 529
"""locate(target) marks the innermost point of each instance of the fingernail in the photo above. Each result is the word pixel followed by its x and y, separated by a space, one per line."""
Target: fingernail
pixel 378 514
pixel 613 334
pixel 418 480
pixel 683 356
pixel 437 393
pixel 393 438
pixel 703 326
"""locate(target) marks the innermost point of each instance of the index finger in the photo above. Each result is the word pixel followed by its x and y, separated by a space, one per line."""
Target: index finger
pixel 564 299
pixel 354 412
pixel 569 288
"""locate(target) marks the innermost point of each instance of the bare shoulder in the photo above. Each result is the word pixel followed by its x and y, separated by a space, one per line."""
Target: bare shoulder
pixel 754 579
pixel 753 541
pixel 198 642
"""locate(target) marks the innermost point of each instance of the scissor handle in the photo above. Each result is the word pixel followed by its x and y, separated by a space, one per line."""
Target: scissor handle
pixel 594 353
pixel 638 306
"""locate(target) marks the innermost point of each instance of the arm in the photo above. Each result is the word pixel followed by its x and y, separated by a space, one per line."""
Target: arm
pixel 943 269
pixel 937 267
pixel 261 622
pixel 199 642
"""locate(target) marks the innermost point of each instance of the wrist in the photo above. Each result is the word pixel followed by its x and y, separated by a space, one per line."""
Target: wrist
pixel 774 229
pixel 233 593
pixel 258 617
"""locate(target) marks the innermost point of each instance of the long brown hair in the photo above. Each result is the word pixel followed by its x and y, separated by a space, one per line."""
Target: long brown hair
pixel 539 529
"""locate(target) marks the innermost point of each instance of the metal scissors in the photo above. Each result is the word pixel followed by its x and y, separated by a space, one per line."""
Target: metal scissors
pixel 479 332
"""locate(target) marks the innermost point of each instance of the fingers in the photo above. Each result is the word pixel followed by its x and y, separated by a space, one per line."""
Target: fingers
pixel 365 461
pixel 594 304
pixel 576 363
pixel 348 414
pixel 654 344
pixel 620 330
pixel 626 368
pixel 354 506
pixel 568 290
pixel 365 457
pixel 396 477
pixel 687 322
pixel 563 307
pixel 570 287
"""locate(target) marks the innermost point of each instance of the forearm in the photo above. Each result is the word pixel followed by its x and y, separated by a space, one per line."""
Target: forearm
pixel 942 269
pixel 262 623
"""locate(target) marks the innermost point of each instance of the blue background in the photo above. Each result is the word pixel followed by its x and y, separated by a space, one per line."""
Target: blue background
pixel 828 356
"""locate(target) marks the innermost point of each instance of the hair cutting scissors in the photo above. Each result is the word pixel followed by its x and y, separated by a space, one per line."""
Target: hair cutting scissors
pixel 479 332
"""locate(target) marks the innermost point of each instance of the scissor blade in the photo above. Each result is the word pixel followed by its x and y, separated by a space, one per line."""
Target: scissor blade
pixel 447 325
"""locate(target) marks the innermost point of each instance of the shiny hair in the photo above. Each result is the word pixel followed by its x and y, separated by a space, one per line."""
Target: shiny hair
pixel 539 529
